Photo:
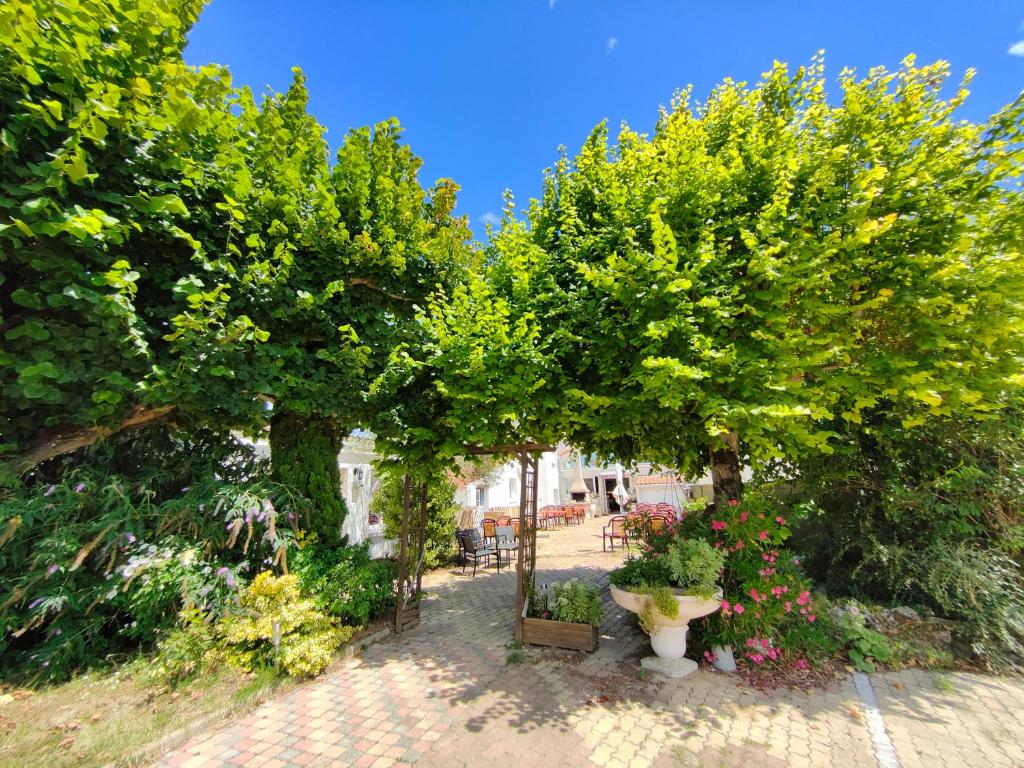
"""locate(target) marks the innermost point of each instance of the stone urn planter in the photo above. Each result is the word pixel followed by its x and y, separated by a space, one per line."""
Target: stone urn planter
pixel 669 638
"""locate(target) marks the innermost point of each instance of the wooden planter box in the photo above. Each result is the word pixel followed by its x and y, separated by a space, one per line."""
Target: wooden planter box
pixel 559 634
pixel 410 617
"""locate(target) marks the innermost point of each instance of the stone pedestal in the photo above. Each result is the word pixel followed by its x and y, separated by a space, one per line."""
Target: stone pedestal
pixel 669 667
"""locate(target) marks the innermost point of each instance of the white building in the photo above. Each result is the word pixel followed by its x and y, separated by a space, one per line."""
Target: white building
pixel 358 484
pixel 642 481
pixel 498 493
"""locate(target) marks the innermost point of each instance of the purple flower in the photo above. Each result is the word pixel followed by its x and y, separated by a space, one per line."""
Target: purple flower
pixel 129 538
pixel 80 487
pixel 59 632
pixel 52 569
pixel 50 490
pixel 35 603
pixel 228 576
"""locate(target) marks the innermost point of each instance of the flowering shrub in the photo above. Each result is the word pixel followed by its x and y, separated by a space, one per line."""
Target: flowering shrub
pixel 768 613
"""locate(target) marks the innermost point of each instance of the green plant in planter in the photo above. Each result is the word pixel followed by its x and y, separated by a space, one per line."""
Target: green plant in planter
pixel 692 565
pixel 662 601
pixel 574 601
pixel 695 566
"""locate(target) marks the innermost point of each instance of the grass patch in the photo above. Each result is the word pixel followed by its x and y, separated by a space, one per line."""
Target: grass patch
pixel 105 718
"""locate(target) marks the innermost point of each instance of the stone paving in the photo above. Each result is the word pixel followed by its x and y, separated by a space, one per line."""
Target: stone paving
pixel 445 695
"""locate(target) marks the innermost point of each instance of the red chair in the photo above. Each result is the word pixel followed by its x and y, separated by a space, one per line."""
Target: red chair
pixel 506 520
pixel 658 523
pixel 614 531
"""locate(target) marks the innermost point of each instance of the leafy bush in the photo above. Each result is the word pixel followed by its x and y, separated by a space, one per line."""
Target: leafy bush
pixel 663 601
pixel 864 645
pixel 640 572
pixel 186 651
pixel 574 601
pixel 695 566
pixel 101 551
pixel 273 610
pixel 345 582
pixel 442 513
pixel 929 516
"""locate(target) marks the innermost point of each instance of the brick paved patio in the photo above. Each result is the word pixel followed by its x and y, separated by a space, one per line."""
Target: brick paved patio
pixel 443 695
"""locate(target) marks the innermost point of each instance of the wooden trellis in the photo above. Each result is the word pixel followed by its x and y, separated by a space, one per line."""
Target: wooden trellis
pixel 410 581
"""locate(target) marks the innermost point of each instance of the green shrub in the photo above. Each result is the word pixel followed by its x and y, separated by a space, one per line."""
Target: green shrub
pixel 273 608
pixel 662 600
pixel 864 646
pixel 695 566
pixel 185 652
pixel 576 602
pixel 640 572
pixel 442 514
pixel 344 581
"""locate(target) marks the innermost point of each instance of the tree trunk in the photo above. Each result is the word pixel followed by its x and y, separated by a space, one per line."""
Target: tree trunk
pixel 304 455
pixel 57 441
pixel 725 470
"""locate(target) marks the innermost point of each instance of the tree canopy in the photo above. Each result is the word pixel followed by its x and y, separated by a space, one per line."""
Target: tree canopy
pixel 768 261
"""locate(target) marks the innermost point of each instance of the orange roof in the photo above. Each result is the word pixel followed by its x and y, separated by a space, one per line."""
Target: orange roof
pixel 657 479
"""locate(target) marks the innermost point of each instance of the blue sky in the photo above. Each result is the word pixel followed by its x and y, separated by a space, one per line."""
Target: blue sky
pixel 488 90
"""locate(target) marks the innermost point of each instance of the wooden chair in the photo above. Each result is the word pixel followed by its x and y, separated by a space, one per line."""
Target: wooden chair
pixel 658 523
pixel 579 511
pixel 473 548
pixel 489 526
pixel 505 520
pixel 614 531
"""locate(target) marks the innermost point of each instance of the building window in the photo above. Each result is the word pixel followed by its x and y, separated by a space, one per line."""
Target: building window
pixel 481 496
pixel 511 488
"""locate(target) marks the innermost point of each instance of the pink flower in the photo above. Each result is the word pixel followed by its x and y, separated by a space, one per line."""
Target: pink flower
pixel 788 606
pixel 801 664
pixel 751 642
pixel 754 594
pixel 804 598
pixel 738 608
pixel 709 656
pixel 725 605
pixel 780 520
pixel 812 618
pixel 763 535
pixel 718 545
pixel 733 502
pixel 743 517
pixel 718 525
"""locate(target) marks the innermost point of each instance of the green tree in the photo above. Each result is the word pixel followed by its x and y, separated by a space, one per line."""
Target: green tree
pixel 109 171
pixel 328 265
pixel 767 261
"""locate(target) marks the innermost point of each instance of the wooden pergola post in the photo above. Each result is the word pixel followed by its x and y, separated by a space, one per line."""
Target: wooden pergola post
pixel 526 565
pixel 403 546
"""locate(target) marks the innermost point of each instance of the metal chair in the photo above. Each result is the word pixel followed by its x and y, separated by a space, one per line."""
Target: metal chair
pixel 507 542
pixel 473 548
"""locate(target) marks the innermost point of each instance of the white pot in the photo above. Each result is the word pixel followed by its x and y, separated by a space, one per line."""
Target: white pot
pixel 669 636
pixel 724 660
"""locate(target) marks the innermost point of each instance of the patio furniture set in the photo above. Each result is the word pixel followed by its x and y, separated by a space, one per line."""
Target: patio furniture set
pixel 499 536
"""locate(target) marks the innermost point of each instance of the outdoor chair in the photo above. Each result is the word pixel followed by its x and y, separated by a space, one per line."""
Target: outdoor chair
pixel 489 525
pixel 505 520
pixel 567 515
pixel 614 531
pixel 658 523
pixel 507 542
pixel 473 548
pixel 579 511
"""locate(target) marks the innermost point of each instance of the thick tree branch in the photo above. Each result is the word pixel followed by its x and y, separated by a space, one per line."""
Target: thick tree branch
pixel 58 441
pixel 367 282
